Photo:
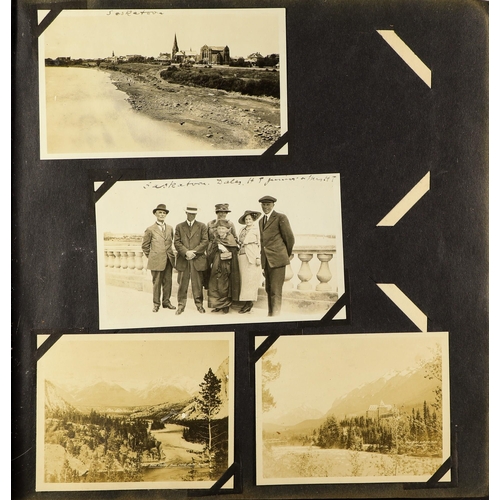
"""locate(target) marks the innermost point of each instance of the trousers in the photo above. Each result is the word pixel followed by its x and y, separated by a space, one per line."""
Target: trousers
pixel 162 283
pixel 196 278
pixel 275 277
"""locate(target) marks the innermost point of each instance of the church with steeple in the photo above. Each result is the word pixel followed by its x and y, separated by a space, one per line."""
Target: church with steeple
pixel 175 49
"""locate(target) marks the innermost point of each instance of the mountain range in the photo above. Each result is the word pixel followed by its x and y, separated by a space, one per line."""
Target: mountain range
pixel 159 398
pixel 404 389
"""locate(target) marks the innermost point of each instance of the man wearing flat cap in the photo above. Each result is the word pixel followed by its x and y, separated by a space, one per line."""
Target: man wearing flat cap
pixel 277 242
pixel 191 241
pixel 157 247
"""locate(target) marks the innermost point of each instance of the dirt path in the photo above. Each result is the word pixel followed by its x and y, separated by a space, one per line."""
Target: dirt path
pixel 225 120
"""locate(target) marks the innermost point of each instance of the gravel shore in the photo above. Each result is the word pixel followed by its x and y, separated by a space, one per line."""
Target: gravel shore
pixel 225 120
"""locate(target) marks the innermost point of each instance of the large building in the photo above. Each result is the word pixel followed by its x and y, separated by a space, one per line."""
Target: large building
pixel 379 411
pixel 210 54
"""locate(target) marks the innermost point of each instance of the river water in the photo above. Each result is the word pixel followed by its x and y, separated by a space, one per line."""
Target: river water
pixel 87 115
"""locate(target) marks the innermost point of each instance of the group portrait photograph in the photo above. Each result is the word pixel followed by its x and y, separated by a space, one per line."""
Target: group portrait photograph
pixel 219 251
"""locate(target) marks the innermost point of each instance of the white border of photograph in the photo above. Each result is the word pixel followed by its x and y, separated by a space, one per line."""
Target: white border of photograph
pixel 312 400
pixel 315 276
pixel 275 15
pixel 116 366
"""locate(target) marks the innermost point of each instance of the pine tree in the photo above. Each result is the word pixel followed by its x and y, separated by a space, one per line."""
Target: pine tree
pixel 208 404
pixel 270 372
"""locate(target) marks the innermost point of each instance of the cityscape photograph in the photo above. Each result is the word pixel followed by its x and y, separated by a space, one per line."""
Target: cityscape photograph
pixel 162 83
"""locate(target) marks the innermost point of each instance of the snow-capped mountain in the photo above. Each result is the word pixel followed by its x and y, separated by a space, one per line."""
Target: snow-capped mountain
pixel 53 400
pixel 105 394
pixel 403 389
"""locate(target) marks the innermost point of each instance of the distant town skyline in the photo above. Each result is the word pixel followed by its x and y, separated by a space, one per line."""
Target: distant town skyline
pixel 95 34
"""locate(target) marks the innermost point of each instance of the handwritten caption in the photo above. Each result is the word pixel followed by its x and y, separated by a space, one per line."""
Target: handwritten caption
pixel 237 181
pixel 133 12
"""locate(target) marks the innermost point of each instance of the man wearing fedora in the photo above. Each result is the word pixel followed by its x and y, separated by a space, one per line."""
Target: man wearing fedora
pixel 277 242
pixel 157 247
pixel 191 241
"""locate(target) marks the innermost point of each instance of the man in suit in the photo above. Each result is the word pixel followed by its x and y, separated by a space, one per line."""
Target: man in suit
pixel 191 241
pixel 277 240
pixel 157 247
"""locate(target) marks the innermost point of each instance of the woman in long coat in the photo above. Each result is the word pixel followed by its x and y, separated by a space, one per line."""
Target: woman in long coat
pixel 224 282
pixel 249 259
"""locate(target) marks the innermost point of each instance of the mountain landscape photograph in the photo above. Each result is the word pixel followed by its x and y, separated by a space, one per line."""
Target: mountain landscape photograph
pixel 352 408
pixel 136 411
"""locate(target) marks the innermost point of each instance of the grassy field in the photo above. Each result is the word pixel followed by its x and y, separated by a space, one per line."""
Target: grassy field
pixel 304 461
pixel 248 81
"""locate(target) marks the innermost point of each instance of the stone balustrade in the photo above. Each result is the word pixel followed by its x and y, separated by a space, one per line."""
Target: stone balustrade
pixel 311 280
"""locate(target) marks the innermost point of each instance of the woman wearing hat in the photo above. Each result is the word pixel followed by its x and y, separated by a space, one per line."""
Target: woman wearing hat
pixel 221 211
pixel 224 282
pixel 249 259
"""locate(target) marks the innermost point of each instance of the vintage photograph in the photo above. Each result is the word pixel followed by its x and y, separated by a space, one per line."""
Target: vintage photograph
pixel 358 408
pixel 150 83
pixel 219 250
pixel 135 411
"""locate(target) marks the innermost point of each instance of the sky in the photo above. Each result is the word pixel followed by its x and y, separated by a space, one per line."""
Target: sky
pixel 132 360
pixel 316 370
pixel 311 202
pixel 147 32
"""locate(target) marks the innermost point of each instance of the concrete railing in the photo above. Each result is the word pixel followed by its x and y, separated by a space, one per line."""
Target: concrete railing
pixel 311 280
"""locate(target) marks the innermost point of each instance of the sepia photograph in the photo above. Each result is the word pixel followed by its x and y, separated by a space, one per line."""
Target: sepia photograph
pixel 155 83
pixel 357 408
pixel 135 411
pixel 219 250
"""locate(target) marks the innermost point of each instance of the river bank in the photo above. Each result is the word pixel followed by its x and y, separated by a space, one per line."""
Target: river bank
pixel 224 120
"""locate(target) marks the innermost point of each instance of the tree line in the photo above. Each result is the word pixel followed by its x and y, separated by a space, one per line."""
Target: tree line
pixel 415 433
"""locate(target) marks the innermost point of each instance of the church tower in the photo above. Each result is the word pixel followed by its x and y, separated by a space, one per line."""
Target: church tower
pixel 175 48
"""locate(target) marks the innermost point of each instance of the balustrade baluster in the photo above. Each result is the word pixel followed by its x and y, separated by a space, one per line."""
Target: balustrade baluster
pixel 289 275
pixel 324 274
pixel 139 264
pixel 305 273
pixel 111 259
pixel 131 261
pixel 124 260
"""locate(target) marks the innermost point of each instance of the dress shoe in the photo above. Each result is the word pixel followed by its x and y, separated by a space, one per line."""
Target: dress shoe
pixel 200 309
pixel 168 305
pixel 215 310
pixel 155 309
pixel 179 311
pixel 225 310
pixel 246 307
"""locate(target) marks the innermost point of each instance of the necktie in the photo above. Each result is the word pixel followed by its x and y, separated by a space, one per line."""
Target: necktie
pixel 265 220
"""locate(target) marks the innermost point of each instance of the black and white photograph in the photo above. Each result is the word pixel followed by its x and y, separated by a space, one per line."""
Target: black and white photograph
pixel 155 83
pixel 135 411
pixel 353 408
pixel 219 251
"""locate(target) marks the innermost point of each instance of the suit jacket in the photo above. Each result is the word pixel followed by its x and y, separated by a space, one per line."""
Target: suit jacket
pixel 194 238
pixel 157 247
pixel 276 240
